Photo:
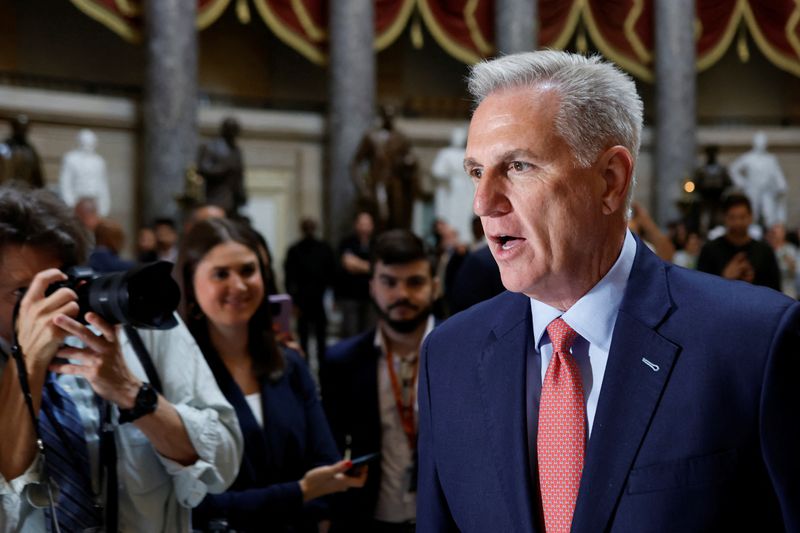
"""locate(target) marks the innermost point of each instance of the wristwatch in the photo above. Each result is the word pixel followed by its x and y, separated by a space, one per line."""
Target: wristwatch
pixel 145 403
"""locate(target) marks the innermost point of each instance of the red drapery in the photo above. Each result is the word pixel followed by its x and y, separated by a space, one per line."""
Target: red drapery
pixel 621 29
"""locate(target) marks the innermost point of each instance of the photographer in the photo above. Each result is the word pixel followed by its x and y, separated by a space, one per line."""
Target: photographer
pixel 167 451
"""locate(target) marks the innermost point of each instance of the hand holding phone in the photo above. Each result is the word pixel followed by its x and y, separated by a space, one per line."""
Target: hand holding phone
pixel 359 462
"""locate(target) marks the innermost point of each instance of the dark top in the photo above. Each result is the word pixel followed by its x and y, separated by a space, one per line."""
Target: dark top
pixel 349 383
pixel 716 254
pixel 310 269
pixel 103 259
pixel 697 414
pixel 353 286
pixel 295 438
pixel 477 279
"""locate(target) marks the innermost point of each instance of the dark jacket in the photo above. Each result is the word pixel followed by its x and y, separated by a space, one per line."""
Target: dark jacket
pixel 350 395
pixel 703 438
pixel 295 438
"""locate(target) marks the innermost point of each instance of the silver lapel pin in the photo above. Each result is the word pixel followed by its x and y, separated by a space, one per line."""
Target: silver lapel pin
pixel 654 367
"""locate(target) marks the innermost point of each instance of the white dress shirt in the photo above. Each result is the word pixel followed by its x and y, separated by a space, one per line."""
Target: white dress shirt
pixel 593 317
pixel 395 502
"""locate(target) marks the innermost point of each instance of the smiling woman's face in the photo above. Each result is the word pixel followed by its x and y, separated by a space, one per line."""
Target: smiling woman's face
pixel 228 284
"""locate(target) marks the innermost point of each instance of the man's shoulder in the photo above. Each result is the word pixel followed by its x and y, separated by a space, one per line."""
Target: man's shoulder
pixel 349 349
pixel 723 297
pixel 502 310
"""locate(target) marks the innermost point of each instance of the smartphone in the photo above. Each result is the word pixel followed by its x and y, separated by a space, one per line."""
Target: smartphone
pixel 359 462
pixel 280 306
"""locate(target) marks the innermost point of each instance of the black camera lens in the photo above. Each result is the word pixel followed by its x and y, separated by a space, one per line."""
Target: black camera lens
pixel 144 297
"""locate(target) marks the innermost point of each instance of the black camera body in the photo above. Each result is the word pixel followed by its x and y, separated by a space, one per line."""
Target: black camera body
pixel 144 297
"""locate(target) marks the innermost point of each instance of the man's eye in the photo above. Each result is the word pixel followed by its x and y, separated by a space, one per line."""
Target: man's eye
pixel 520 166
pixel 476 173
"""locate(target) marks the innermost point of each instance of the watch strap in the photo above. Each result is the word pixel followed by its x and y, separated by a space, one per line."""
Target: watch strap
pixel 145 403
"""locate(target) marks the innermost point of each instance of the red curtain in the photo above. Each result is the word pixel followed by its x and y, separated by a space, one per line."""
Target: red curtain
pixel 621 29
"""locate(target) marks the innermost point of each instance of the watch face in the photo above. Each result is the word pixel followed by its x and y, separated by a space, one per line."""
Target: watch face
pixel 146 399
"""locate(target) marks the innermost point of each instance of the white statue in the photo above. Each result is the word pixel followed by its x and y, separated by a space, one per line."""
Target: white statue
pixel 759 175
pixel 454 190
pixel 83 174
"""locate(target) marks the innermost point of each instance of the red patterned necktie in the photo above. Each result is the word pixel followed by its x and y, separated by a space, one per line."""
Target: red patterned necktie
pixel 561 439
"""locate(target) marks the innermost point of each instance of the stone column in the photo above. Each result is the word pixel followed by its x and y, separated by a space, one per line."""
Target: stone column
pixel 352 104
pixel 515 26
pixel 170 104
pixel 675 127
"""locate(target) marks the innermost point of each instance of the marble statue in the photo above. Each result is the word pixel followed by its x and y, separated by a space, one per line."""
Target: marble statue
pixel 19 161
pixel 454 190
pixel 384 170
pixel 758 174
pixel 83 174
pixel 221 165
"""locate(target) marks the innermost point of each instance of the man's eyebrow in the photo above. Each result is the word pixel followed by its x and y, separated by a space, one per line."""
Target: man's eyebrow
pixel 469 163
pixel 519 152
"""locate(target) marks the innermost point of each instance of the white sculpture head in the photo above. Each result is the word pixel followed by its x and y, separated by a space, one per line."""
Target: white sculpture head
pixel 458 137
pixel 87 140
pixel 760 141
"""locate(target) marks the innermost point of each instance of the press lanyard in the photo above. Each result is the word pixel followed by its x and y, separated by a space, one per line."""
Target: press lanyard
pixel 405 397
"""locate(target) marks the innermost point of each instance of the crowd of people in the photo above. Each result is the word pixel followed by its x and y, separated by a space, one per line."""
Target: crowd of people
pixel 219 423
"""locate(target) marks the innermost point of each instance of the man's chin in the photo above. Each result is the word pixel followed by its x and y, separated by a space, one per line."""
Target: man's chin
pixel 407 325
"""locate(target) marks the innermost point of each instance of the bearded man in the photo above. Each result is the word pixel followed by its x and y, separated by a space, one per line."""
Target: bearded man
pixel 369 387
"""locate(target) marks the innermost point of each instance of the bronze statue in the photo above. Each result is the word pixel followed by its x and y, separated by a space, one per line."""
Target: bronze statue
pixel 711 180
pixel 220 164
pixel 19 161
pixel 384 170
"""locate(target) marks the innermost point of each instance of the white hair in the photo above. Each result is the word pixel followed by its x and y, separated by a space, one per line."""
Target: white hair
pixel 599 105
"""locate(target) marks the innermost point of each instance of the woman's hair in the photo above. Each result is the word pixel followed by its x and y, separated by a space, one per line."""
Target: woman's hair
pixel 203 236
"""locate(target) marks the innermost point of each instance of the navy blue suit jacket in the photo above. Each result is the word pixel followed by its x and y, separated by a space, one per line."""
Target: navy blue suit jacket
pixel 706 440
pixel 295 438
pixel 349 381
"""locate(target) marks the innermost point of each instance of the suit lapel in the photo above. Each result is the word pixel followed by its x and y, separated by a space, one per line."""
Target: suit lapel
pixel 638 368
pixel 501 369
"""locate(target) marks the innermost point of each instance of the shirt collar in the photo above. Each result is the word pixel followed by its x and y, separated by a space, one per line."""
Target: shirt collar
pixel 594 314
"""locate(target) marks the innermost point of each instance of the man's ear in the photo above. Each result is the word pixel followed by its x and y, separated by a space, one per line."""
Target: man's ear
pixel 616 169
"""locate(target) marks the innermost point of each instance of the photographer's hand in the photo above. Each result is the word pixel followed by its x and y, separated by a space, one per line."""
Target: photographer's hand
pixel 38 334
pixel 104 366
pixel 100 362
pixel 39 337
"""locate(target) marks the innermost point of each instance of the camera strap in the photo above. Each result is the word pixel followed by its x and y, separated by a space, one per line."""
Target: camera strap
pixel 144 357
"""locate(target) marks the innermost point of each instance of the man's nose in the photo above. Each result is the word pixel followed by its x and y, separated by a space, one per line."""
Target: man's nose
pixel 491 196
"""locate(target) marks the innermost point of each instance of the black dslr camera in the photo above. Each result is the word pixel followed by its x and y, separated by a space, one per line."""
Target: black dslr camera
pixel 144 297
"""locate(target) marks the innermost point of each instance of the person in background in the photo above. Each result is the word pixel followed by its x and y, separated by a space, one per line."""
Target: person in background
pixel 786 254
pixel 290 458
pixel 687 256
pixel 146 245
pixel 369 387
pixel 352 287
pixel 109 239
pixel 86 212
pixel 310 269
pixel 642 224
pixel 166 239
pixel 736 255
